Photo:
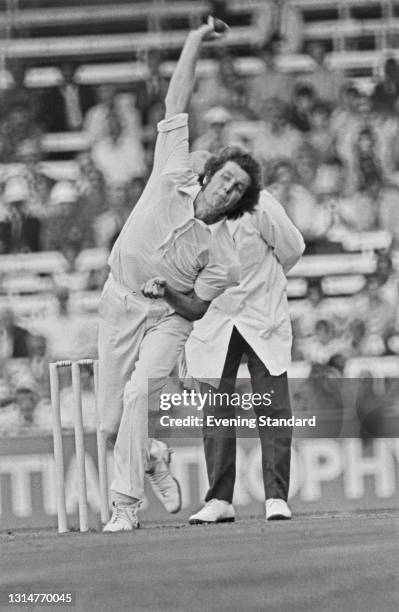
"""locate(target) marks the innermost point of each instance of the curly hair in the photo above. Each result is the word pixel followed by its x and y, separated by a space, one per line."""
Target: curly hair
pixel 250 198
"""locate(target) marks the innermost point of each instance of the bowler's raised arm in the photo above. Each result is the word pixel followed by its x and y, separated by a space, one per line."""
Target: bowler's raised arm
pixel 182 82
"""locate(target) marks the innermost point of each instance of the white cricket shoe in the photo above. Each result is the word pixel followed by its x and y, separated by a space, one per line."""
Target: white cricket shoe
pixel 124 517
pixel 277 509
pixel 214 511
pixel 164 485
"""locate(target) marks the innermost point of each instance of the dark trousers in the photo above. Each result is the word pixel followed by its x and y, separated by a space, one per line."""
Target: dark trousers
pixel 220 443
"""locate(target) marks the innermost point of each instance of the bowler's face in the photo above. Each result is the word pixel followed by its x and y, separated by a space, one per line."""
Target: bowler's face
pixel 225 188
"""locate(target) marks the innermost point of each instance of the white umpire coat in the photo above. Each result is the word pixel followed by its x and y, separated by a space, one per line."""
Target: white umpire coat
pixel 268 245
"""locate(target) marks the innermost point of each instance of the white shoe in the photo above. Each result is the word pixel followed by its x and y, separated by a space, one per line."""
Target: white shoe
pixel 215 511
pixel 164 485
pixel 124 517
pixel 277 509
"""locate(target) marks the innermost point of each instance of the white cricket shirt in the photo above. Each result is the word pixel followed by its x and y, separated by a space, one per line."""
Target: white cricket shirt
pixel 163 238
pixel 269 245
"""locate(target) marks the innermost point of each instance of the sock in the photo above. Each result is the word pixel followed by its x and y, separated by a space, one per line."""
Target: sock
pixel 118 498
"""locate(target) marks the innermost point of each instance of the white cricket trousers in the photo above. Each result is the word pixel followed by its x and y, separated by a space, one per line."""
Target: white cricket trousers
pixel 139 339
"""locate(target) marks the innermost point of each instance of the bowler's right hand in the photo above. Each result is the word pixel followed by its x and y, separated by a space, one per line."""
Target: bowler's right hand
pixel 213 29
pixel 154 288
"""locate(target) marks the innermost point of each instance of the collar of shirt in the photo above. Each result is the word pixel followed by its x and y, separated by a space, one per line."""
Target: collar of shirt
pixel 229 225
pixel 233 226
pixel 215 226
pixel 192 191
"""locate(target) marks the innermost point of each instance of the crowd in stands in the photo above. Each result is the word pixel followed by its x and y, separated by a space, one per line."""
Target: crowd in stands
pixel 329 152
pixel 363 324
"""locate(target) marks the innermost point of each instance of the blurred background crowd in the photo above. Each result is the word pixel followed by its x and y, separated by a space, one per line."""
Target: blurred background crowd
pixel 75 157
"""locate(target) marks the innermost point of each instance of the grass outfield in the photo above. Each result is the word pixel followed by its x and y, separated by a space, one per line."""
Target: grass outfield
pixel 325 562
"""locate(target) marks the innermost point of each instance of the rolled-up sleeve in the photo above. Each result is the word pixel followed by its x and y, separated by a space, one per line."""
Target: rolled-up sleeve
pixel 278 231
pixel 172 148
pixel 222 270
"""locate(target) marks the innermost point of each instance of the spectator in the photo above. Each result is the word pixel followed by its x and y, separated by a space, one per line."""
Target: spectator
pixel 377 406
pixel 337 365
pixel 378 315
pixel 151 91
pixel 26 400
pixel 121 200
pixel 72 275
pixel 18 94
pixel 374 207
pixel 130 115
pixel 357 334
pixel 21 416
pixel 108 102
pixel 216 136
pixel 277 139
pixel 270 82
pixel 240 106
pixel 306 165
pixel 326 83
pixel 300 205
pixel 96 118
pixel 331 179
pixel 320 135
pixel 323 344
pixel 215 90
pixel 389 289
pixel 68 222
pixel 385 131
pixel 280 21
pixel 386 93
pixel 63 107
pixel 108 225
pixel 14 340
pixel 134 190
pixel 346 138
pixel 299 113
pixel 346 112
pixel 356 213
pixel 29 154
pixel 90 184
pixel 316 307
pixel 321 395
pixel 39 360
pixel 28 172
pixel 68 335
pixel 17 126
pixel 22 413
pixel 367 166
pixel 327 182
pixel 119 156
pixel 306 318
pixel 330 186
pixel 19 227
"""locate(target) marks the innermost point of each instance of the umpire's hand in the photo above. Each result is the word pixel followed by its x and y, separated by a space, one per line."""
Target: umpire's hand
pixel 154 288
